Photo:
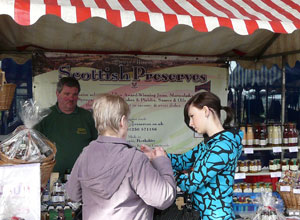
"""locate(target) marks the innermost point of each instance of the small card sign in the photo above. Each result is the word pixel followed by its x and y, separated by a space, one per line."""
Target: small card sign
pixel 239 176
pixel 277 149
pixel 293 149
pixel 275 174
pixel 248 150
pixel 296 191
pixel 285 188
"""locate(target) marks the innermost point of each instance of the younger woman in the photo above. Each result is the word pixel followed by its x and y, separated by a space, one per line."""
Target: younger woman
pixel 213 161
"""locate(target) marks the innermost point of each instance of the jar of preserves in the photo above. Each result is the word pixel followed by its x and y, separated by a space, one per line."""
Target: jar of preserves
pixel 258 162
pixel 250 136
pixel 285 165
pixel 272 166
pixel 244 167
pixel 253 166
pixel 292 134
pixel 294 164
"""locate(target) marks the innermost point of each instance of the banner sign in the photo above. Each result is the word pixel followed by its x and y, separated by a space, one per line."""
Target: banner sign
pixel 155 87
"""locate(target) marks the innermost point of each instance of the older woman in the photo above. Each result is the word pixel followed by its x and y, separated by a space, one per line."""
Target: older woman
pixel 113 179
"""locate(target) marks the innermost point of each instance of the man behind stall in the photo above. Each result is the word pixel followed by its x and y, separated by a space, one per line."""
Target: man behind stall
pixel 70 127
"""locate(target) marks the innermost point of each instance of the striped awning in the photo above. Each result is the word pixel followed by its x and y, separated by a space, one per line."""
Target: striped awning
pixel 243 78
pixel 230 29
pixel 242 16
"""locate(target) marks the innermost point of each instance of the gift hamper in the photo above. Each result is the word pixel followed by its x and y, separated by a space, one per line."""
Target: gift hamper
pixel 26 145
pixel 289 189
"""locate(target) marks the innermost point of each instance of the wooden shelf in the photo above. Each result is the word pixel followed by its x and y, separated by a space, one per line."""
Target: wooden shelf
pixel 269 148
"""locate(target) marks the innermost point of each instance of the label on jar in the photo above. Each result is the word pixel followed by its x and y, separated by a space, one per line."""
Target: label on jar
pixel 285 167
pixel 250 142
pixel 275 141
pixel 285 141
pixel 244 142
pixel 256 141
pixel 54 198
pixel 244 169
pixel 253 168
pixel 273 167
pixel 263 142
pixel 294 167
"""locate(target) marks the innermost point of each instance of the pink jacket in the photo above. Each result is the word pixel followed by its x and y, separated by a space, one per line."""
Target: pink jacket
pixel 116 181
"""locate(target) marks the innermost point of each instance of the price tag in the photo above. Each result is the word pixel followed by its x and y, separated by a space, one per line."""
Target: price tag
pixel 296 191
pixel 285 188
pixel 293 149
pixel 275 174
pixel 239 176
pixel 296 213
pixel 248 150
pixel 277 149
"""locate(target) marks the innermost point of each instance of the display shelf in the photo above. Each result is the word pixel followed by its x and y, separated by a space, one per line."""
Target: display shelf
pixel 270 148
pixel 264 172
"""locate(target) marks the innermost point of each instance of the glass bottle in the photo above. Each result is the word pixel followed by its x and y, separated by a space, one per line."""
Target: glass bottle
pixel 285 135
pixel 256 131
pixel 263 136
pixel 270 135
pixel 250 136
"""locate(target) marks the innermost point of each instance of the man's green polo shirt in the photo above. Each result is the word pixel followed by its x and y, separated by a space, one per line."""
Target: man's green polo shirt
pixel 70 133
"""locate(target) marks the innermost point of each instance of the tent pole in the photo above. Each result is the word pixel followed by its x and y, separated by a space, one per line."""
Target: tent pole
pixel 283 90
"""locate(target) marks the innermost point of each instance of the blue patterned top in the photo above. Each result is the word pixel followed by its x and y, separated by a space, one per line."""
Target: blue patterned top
pixel 210 184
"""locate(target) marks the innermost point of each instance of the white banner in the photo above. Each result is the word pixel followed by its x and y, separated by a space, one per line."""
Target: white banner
pixel 155 88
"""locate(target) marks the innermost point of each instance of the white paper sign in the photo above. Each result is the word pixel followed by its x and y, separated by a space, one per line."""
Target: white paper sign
pixel 275 174
pixel 248 150
pixel 296 191
pixel 277 149
pixel 20 189
pixel 239 176
pixel 293 149
pixel 285 188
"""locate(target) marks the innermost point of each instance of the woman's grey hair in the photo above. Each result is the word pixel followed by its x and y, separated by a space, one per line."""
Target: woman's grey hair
pixel 108 110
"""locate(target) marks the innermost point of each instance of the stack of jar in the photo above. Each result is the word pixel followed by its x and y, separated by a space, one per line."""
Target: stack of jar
pixel 284 165
pixel 262 135
pixel 248 166
pixel 252 187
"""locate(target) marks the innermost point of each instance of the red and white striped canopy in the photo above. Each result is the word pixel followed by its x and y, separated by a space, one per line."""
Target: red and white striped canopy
pixel 226 28
pixel 243 16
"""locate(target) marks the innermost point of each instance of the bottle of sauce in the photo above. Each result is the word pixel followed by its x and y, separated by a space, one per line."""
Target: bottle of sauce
pixel 272 166
pixel 275 136
pixel 286 135
pixel 250 136
pixel 270 135
pixel 256 131
pixel 263 136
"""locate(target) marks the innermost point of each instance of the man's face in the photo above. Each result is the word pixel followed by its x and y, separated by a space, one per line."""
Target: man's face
pixel 67 99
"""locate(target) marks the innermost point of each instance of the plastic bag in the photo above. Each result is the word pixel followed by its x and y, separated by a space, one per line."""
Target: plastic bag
pixel 25 143
pixel 267 210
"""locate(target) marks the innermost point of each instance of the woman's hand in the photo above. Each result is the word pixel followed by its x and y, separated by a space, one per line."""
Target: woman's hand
pixel 153 153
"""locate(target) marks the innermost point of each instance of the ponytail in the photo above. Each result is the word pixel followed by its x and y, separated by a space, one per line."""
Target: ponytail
pixel 229 116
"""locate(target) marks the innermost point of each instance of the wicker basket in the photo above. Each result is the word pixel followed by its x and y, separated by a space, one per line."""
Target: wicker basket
pixel 6 159
pixel 291 200
pixel 7 92
pixel 46 165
